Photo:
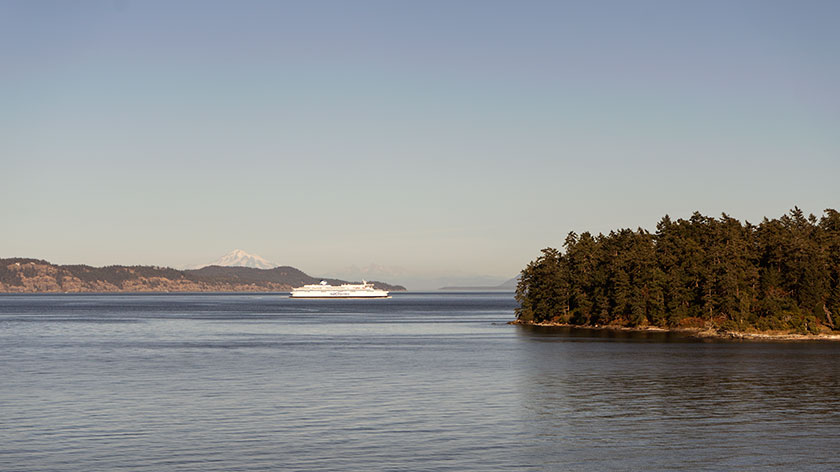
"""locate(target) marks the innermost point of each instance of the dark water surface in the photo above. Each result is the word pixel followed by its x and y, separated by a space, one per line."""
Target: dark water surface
pixel 417 382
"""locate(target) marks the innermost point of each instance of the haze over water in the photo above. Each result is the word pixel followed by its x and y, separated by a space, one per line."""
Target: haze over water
pixel 417 382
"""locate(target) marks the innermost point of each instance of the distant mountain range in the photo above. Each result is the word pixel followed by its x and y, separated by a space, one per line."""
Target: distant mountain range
pixel 419 280
pixel 508 285
pixel 21 275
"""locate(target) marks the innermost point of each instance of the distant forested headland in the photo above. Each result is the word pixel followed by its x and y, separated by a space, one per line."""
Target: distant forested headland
pixel 702 273
pixel 22 275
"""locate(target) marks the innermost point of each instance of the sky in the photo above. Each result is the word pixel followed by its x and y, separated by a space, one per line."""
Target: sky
pixel 432 138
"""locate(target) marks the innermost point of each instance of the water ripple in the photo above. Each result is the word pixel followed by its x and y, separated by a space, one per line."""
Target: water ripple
pixel 419 382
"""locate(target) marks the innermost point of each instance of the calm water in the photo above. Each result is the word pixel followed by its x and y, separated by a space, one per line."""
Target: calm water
pixel 417 382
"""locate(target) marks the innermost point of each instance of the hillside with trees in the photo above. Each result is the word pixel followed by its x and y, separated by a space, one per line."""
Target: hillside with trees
pixel 19 275
pixel 702 273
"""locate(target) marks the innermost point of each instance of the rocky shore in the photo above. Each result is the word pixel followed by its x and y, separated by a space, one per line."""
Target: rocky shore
pixel 701 333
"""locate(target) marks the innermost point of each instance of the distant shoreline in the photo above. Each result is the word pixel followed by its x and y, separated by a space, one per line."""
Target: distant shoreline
pixel 150 292
pixel 475 289
pixel 699 333
pixel 22 275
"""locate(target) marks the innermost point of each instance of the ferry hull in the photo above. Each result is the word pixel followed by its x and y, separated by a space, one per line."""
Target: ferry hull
pixel 380 294
pixel 364 290
pixel 324 296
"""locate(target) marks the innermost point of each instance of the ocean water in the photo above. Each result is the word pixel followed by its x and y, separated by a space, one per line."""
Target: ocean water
pixel 420 382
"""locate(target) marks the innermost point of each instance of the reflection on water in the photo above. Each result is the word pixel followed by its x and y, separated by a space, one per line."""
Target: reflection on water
pixel 640 401
pixel 416 382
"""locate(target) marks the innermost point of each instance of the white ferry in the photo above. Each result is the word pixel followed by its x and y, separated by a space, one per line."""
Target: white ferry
pixel 324 290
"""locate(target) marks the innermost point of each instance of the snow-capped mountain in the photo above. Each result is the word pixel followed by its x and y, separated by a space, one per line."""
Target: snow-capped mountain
pixel 240 258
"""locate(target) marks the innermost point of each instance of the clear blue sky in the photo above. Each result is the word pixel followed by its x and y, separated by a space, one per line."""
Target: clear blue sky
pixel 434 136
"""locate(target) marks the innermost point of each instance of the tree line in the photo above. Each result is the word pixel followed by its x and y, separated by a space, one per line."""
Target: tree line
pixel 703 272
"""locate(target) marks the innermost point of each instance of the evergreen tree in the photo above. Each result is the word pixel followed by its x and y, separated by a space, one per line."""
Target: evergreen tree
pixel 830 242
pixel 542 291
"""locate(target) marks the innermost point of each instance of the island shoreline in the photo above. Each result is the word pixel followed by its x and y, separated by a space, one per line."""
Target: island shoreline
pixel 697 333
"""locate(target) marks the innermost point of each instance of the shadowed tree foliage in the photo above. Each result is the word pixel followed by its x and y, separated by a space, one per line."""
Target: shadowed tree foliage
pixel 544 295
pixel 783 274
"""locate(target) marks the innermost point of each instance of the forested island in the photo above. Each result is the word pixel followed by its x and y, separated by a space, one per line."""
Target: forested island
pixel 703 274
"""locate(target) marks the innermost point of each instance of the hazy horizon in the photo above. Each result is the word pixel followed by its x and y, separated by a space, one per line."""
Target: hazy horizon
pixel 441 139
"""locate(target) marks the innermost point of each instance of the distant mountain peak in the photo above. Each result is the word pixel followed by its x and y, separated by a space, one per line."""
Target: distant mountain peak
pixel 240 258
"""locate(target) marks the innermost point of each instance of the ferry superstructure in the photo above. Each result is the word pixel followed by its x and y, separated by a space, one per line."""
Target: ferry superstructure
pixel 325 290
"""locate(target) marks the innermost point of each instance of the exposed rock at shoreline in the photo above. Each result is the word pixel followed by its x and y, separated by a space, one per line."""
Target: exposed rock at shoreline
pixel 703 333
